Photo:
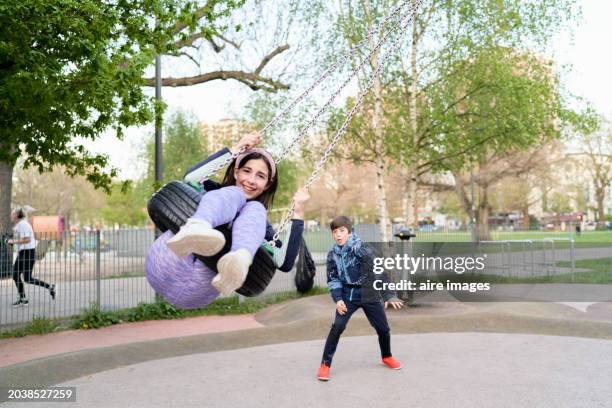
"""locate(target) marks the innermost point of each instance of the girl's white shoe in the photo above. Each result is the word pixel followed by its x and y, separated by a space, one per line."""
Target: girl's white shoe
pixel 196 237
pixel 233 268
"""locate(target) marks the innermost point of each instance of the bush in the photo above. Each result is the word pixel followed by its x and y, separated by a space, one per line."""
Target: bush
pixel 152 311
pixel 94 318
pixel 40 325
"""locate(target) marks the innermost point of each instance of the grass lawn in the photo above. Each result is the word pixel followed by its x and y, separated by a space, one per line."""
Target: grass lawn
pixel 600 272
pixel 321 241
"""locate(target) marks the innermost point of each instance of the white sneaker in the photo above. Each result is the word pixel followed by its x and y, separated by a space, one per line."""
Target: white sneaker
pixel 196 237
pixel 233 268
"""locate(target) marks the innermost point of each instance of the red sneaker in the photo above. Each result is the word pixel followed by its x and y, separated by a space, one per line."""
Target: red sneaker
pixel 323 374
pixel 392 363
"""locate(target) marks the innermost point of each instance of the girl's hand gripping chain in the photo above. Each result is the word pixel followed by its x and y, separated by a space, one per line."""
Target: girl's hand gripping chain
pixel 300 198
pixel 247 141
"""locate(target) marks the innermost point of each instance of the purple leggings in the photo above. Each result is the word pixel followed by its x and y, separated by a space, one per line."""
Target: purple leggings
pixel 229 204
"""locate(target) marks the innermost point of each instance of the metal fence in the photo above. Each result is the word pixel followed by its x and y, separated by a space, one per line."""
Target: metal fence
pixel 101 267
pixel 106 267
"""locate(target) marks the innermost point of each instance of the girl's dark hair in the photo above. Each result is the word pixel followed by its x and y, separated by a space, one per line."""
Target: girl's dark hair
pixel 341 221
pixel 267 197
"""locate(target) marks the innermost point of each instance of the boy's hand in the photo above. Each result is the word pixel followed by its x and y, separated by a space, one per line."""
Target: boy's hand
pixel 341 307
pixel 397 304
pixel 248 141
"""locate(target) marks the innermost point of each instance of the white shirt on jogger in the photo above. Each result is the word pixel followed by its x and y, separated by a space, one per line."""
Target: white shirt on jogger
pixel 24 229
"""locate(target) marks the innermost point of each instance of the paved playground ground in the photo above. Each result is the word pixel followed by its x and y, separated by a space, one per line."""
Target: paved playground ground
pixel 454 354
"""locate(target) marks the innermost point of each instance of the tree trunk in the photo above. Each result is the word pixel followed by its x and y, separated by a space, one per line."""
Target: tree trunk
pixel 411 196
pixel 482 214
pixel 383 212
pixel 482 224
pixel 413 186
pixel 322 220
pixel 381 202
pixel 6 187
pixel 405 194
pixel 600 194
pixel 409 200
pixel 526 224
pixel 465 202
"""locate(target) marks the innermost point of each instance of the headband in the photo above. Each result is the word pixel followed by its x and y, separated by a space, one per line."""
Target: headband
pixel 267 156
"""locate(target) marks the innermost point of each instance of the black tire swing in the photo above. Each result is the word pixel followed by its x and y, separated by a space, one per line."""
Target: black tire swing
pixel 169 209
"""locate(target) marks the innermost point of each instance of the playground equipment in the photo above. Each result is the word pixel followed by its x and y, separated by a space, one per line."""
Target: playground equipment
pixel 167 214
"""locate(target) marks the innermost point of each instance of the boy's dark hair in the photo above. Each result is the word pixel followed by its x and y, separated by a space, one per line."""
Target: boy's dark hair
pixel 341 221
pixel 267 197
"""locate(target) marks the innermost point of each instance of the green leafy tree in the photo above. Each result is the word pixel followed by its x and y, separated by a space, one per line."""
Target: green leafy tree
pixel 183 146
pixel 454 53
pixel 560 203
pixel 594 156
pixel 290 174
pixel 125 206
pixel 71 70
pixel 463 87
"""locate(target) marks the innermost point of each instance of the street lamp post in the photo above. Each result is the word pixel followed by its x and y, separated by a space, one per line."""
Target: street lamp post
pixel 158 122
pixel 158 138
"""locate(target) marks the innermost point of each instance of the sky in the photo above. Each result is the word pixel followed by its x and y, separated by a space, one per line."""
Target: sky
pixel 588 78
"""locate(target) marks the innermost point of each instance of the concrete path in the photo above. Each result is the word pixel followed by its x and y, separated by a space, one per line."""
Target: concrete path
pixel 440 370
pixel 455 354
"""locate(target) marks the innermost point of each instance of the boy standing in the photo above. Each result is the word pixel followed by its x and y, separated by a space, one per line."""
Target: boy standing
pixel 345 263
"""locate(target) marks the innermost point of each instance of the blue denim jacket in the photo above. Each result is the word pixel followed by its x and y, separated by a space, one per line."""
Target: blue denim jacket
pixel 345 272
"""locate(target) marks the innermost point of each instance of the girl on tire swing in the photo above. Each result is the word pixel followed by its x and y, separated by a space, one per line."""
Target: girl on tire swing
pixel 243 197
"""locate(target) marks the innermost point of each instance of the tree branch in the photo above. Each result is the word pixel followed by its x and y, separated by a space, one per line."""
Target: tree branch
pixel 427 165
pixel 253 80
pixel 424 23
pixel 184 54
pixel 216 47
pixel 199 13
pixel 271 55
pixel 230 42
pixel 437 186
pixel 188 42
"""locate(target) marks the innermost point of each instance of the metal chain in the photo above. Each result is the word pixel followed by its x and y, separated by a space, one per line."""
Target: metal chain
pixel 342 130
pixel 304 130
pixel 339 62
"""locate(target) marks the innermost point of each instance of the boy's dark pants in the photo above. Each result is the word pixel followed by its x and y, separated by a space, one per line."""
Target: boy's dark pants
pixel 375 312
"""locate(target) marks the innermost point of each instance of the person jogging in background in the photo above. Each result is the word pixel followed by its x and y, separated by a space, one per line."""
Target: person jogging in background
pixel 26 256
pixel 345 276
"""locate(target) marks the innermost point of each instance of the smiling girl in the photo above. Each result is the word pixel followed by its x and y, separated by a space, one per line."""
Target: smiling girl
pixel 243 197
